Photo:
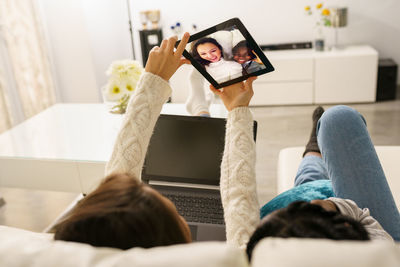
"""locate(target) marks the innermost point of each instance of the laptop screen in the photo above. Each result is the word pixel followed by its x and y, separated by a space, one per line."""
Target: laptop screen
pixel 186 149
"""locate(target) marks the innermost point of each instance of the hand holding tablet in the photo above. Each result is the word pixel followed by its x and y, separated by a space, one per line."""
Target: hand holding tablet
pixel 226 54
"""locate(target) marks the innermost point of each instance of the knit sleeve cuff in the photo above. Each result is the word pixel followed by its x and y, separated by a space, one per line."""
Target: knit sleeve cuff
pixel 150 81
pixel 240 113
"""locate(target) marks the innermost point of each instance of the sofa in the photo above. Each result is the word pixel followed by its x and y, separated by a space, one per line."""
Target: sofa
pixel 20 248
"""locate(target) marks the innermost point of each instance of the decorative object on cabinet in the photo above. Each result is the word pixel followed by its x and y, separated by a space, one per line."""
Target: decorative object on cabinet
pixel 338 20
pixel 322 18
pixel 287 46
pixel 152 16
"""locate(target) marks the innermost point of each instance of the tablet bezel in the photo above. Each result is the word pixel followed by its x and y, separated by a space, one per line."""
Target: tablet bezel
pixel 223 26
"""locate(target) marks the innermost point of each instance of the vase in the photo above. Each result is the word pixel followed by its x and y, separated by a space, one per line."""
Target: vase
pixel 319 39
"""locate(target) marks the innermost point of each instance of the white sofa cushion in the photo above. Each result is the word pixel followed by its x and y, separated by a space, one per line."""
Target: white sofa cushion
pixel 20 248
pixel 290 158
pixel 319 252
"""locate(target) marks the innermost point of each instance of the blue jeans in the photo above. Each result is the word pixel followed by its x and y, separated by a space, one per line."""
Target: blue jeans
pixel 350 161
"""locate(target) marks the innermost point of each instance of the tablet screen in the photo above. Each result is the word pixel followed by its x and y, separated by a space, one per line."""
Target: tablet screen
pixel 226 54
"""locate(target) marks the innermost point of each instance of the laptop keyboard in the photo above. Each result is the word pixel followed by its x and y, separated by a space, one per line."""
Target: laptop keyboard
pixel 199 209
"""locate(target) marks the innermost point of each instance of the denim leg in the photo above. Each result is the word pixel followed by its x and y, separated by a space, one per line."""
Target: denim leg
pixel 311 168
pixel 354 167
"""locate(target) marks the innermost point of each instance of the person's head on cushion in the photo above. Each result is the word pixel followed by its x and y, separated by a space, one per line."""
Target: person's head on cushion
pixel 124 213
pixel 301 219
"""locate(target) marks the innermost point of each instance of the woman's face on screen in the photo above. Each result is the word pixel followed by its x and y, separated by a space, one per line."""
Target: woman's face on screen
pixel 210 52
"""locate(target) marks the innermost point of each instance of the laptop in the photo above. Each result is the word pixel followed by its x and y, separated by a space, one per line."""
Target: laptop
pixel 183 163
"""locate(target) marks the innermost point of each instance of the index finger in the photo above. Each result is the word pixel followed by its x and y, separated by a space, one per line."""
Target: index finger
pixel 182 44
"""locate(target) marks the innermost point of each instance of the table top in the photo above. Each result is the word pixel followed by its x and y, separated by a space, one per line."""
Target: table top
pixel 79 132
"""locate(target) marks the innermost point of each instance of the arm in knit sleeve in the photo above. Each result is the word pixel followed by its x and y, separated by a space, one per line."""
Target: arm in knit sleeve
pixel 349 208
pixel 238 181
pixel 197 101
pixel 141 115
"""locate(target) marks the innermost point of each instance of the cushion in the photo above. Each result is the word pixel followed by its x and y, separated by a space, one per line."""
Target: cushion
pixel 320 189
pixel 319 252
pixel 20 248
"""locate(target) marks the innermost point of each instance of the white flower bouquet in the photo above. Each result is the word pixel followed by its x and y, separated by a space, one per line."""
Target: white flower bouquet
pixel 123 75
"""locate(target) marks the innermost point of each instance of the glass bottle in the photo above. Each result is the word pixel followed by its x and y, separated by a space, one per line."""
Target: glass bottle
pixel 319 39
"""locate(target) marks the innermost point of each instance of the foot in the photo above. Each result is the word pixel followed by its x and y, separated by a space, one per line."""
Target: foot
pixel 312 145
pixel 318 111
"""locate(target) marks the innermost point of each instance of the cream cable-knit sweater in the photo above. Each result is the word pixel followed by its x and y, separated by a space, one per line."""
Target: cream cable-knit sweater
pixel 238 183
pixel 141 116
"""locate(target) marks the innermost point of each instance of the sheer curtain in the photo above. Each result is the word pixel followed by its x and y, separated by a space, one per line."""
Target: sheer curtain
pixel 5 117
pixel 26 84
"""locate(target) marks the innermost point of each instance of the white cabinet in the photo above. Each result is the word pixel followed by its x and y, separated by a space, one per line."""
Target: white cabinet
pixel 284 93
pixel 347 75
pixel 290 83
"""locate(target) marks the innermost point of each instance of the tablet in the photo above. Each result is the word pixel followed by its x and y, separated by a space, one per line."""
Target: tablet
pixel 226 54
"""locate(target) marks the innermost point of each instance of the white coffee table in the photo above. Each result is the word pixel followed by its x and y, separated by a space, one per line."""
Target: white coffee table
pixel 65 147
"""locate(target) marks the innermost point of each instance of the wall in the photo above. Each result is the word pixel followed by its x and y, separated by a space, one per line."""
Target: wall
pixel 71 50
pixel 99 32
pixel 375 22
pixel 108 28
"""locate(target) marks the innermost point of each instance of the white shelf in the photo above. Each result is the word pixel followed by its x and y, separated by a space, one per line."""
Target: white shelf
pixel 346 75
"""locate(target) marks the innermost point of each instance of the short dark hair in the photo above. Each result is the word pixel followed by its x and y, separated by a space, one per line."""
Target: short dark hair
pixel 245 44
pixel 196 55
pixel 304 220
pixel 121 213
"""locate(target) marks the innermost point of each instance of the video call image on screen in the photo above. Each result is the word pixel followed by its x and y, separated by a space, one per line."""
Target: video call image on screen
pixel 225 55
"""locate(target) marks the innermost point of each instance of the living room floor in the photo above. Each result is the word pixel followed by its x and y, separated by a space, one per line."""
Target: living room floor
pixel 285 126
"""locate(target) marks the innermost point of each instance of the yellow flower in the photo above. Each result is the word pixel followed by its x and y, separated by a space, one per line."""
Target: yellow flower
pixel 116 90
pixel 326 12
pixel 123 78
pixel 129 87
pixel 307 8
pixel 319 6
pixel 112 91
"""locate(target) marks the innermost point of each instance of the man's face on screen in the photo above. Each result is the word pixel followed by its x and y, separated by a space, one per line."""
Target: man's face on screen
pixel 210 52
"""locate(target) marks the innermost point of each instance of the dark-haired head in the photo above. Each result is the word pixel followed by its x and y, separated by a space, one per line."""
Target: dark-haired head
pixel 243 50
pixel 304 220
pixel 203 41
pixel 124 213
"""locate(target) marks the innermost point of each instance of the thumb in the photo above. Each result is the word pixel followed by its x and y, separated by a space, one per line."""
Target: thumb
pixel 183 61
pixel 250 80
